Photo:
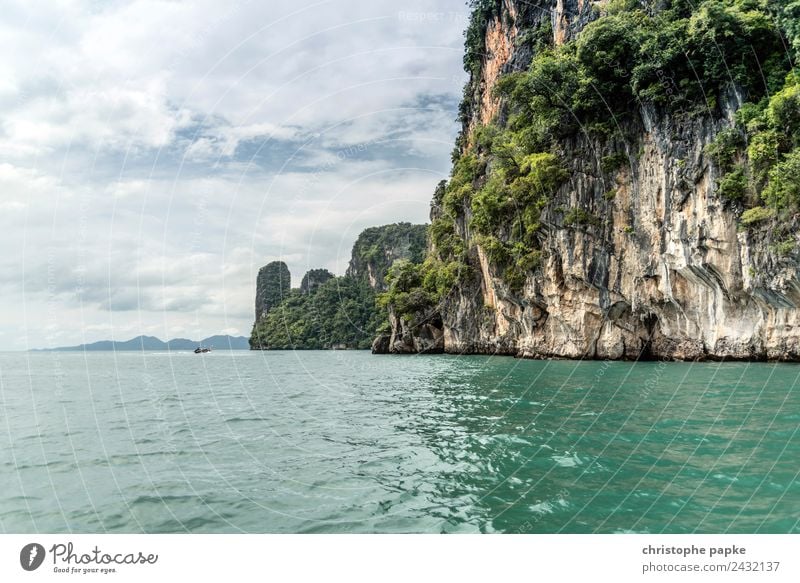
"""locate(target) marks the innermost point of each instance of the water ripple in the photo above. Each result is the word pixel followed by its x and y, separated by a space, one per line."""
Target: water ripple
pixel 349 442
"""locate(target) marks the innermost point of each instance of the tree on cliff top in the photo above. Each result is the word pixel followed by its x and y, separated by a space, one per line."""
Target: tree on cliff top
pixel 313 279
pixel 377 248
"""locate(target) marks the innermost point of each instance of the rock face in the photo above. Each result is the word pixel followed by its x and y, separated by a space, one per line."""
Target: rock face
pixel 426 336
pixel 665 271
pixel 377 248
pixel 272 285
pixel 667 276
pixel 381 344
pixel 504 50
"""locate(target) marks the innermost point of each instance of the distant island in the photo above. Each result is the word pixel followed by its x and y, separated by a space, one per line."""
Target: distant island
pixel 218 342
pixel 334 312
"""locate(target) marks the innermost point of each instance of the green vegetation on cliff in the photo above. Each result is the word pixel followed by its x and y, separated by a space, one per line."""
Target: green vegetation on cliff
pixel 683 57
pixel 335 312
pixel 313 279
pixel 416 288
pixel 339 313
pixel 377 248
pixel 272 286
pixel 766 150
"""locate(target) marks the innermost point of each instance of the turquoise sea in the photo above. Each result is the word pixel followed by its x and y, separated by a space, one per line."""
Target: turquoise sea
pixel 302 442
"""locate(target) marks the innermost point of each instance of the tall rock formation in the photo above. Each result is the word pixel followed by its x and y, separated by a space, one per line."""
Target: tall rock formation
pixel 272 285
pixel 605 203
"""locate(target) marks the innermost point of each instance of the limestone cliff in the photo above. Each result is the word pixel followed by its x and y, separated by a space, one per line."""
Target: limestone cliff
pixel 272 286
pixel 640 250
pixel 377 248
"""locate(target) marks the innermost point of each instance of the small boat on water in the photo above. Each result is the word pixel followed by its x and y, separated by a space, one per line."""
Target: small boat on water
pixel 201 350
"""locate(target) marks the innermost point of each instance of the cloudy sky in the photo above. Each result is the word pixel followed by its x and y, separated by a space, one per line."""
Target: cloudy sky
pixel 154 154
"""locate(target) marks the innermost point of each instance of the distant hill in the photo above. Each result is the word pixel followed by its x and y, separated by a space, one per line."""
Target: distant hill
pixel 218 342
pixel 330 312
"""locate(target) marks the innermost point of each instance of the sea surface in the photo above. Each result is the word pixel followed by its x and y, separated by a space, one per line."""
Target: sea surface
pixel 303 442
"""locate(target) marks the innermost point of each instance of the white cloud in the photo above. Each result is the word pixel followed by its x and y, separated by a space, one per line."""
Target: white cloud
pixel 223 140
pixel 157 153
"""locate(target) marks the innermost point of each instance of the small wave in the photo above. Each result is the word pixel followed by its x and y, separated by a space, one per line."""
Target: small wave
pixel 542 508
pixel 23 498
pixel 51 465
pixel 549 506
pixel 168 399
pixel 568 460
pixel 139 500
pixel 726 478
pixel 152 454
pixel 243 419
pixel 192 524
